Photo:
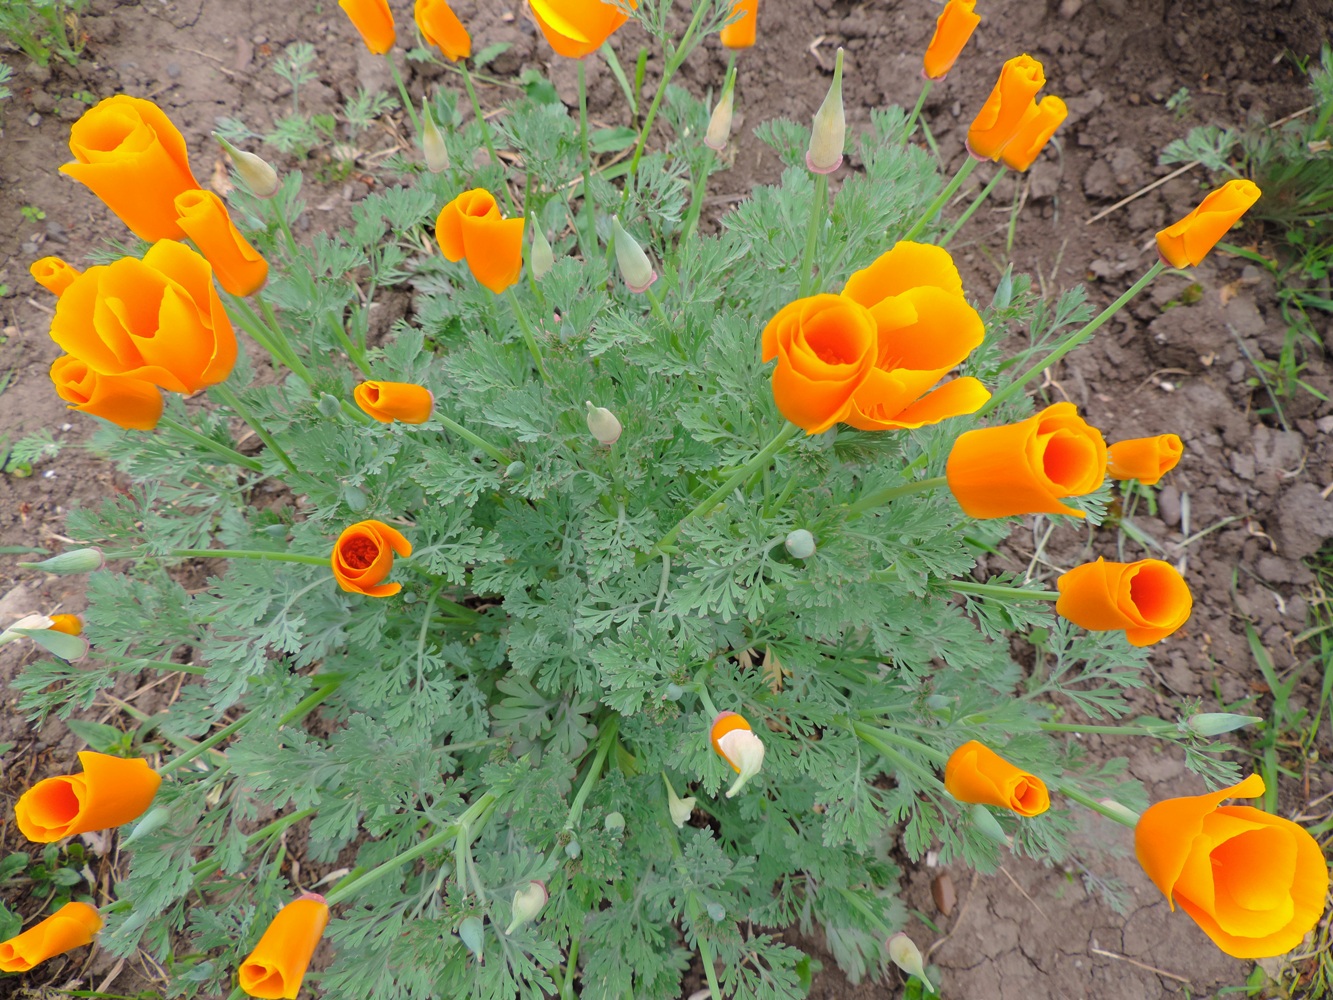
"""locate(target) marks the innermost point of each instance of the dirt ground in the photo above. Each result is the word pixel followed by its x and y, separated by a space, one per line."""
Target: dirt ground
pixel 1027 931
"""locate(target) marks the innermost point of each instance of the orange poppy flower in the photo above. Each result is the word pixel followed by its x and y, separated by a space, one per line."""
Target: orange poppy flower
pixel 130 403
pixel 110 792
pixel 471 228
pixel 735 742
pixel 953 28
pixel 1033 132
pixel 1000 117
pixel 1188 241
pixel 129 154
pixel 69 624
pixel 1027 467
pixel 390 401
pixel 237 265
pixel 1254 882
pixel 440 26
pixel 575 28
pixel 1145 459
pixel 72 926
pixel 276 967
pixel 363 556
pixel 374 20
pixel 53 274
pixel 1148 599
pixel 740 34
pixel 976 773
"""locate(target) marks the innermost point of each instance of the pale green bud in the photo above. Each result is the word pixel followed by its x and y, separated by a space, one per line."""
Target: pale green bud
pixel 329 406
pixel 155 819
pixel 473 935
pixel 680 809
pixel 573 850
pixel 603 424
pixel 635 267
pixel 719 125
pixel 543 257
pixel 801 544
pixel 986 823
pixel 515 470
pixel 69 563
pixel 828 135
pixel 614 822
pixel 528 902
pixel 259 177
pixel 1217 723
pixel 907 956
pixel 432 143
pixel 717 912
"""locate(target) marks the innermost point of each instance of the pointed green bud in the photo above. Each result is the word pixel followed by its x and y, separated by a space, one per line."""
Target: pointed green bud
pixel 543 257
pixel 432 143
pixel 828 135
pixel 69 563
pixel 986 823
pixel 680 809
pixel 801 544
pixel 635 267
pixel 473 935
pixel 155 819
pixel 1217 723
pixel 515 470
pixel 259 177
pixel 719 125
pixel 603 424
pixel 907 956
pixel 328 406
pixel 528 902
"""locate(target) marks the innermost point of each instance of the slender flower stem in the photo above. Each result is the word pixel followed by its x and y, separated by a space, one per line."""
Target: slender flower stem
pixel 230 454
pixel 706 958
pixel 879 498
pixel 818 213
pixel 995 590
pixel 701 689
pixel 589 202
pixel 138 663
pixel 1068 727
pixel 477 440
pixel 976 204
pixel 570 971
pixel 604 745
pixel 353 350
pixel 880 740
pixel 916 111
pixel 1073 340
pixel 485 131
pixel 528 337
pixel 656 304
pixel 1069 791
pixel 408 103
pixel 230 398
pixel 280 338
pixel 942 199
pixel 260 554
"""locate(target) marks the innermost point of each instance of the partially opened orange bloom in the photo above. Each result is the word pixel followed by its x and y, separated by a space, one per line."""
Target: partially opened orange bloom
pixel 1000 117
pixel 130 403
pixel 53 274
pixel 158 319
pixel 69 624
pixel 1027 467
pixel 390 401
pixel 1254 882
pixel 374 20
pixel 440 26
pixel 575 28
pixel 740 34
pixel 1034 131
pixel 471 228
pixel 1145 459
pixel 735 742
pixel 110 792
pixel 953 28
pixel 1148 599
pixel 276 967
pixel 1188 241
pixel 363 556
pixel 130 155
pixel 237 265
pixel 976 773
pixel 72 926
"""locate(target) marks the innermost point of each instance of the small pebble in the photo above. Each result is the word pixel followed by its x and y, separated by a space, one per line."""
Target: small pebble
pixel 34 119
pixel 946 897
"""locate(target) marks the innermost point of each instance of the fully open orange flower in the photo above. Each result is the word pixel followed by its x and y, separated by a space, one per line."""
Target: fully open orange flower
pixel 471 228
pixel 130 403
pixel 72 926
pixel 238 266
pixel 363 556
pixel 1148 599
pixel 158 319
pixel 1027 467
pixel 740 34
pixel 953 28
pixel 1254 882
pixel 576 28
pixel 1000 117
pixel 976 773
pixel 129 154
pixel 274 970
pixel 374 20
pixel 1188 241
pixel 440 26
pixel 111 791
pixel 1145 459
pixel 1033 132
pixel 390 401
pixel 53 274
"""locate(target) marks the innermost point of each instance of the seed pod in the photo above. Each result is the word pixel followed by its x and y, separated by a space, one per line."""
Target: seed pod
pixel 614 822
pixel 515 470
pixel 573 850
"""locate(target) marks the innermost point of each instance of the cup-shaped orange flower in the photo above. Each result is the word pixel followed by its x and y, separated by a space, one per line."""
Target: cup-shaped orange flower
pixel 976 773
pixel 363 556
pixel 1144 459
pixel 471 228
pixel 1034 131
pixel 1188 241
pixel 276 967
pixel 953 28
pixel 390 401
pixel 1027 467
pixel 53 274
pixel 1148 599
pixel 237 265
pixel 440 26
pixel 1254 882
pixel 72 926
pixel 130 403
pixel 111 791
pixel 575 28
pixel 998 121
pixel 741 34
pixel 374 20
pixel 129 154
pixel 158 319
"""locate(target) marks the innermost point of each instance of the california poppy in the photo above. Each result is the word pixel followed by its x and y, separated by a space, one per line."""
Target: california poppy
pixel 576 28
pixel 953 28
pixel 1148 599
pixel 735 742
pixel 390 401
pixel 110 792
pixel 277 965
pixel 440 26
pixel 976 773
pixel 363 556
pixel 53 274
pixel 998 121
pixel 72 926
pixel 1033 132
pixel 741 34
pixel 1145 459
pixel 237 265
pixel 374 21
pixel 130 403
pixel 471 228
pixel 1188 241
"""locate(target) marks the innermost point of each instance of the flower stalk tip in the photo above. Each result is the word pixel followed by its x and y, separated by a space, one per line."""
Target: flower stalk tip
pixel 432 142
pixel 254 171
pixel 828 136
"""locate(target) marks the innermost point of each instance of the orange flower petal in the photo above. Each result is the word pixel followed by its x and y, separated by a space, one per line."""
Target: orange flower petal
pixel 72 926
pixel 952 399
pixel 1188 241
pixel 1033 132
pixel 976 773
pixel 726 722
pixel 69 624
pixel 825 346
pixel 278 964
pixel 1000 117
pixel 904 266
pixel 110 792
pixel 238 266
pixel 1144 459
pixel 741 34
pixel 127 402
pixel 576 28
pixel 494 250
pixel 363 556
pixel 390 401
pixel 1148 598
pixel 53 274
pixel 953 28
pixel 440 26
pixel 374 21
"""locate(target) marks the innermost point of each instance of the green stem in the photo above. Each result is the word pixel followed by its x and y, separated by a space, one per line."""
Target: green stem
pixel 1072 341
pixel 225 393
pixel 259 554
pixel 467 435
pixel 589 203
pixel 942 199
pixel 877 499
pixel 408 103
pixel 656 304
pixel 972 208
pixel 705 699
pixel 280 338
pixel 995 590
pixel 485 131
pixel 353 350
pixel 604 744
pixel 916 111
pixel 1067 727
pixel 571 970
pixel 1069 791
pixel 230 454
pixel 818 213
pixel 879 740
pixel 528 337
pixel 706 957
pixel 138 663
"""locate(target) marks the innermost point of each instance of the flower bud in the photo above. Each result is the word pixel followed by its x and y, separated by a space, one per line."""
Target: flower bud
pixel 154 819
pixel 907 956
pixel 1217 723
pixel 635 267
pixel 828 135
pixel 614 822
pixel 328 406
pixel 259 177
pixel 673 692
pixel 69 624
pixel 432 143
pixel 472 934
pixel 680 809
pixel 801 544
pixel 543 257
pixel 735 742
pixel 573 850
pixel 528 902
pixel 719 126
pixel 41 630
pixel 68 563
pixel 515 470
pixel 717 912
pixel 986 823
pixel 603 424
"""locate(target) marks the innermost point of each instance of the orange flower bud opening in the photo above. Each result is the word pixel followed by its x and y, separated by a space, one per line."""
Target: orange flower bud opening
pixel 374 21
pixel 1034 131
pixel 576 28
pixel 741 34
pixel 110 792
pixel 1145 459
pixel 471 228
pixel 977 774
pixel 53 274
pixel 130 403
pixel 999 119
pixel 69 624
pixel 1188 241
pixel 72 926
pixel 390 401
pixel 726 722
pixel 953 28
pixel 237 265
pixel 363 557
pixel 440 26
pixel 1148 599
pixel 276 967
